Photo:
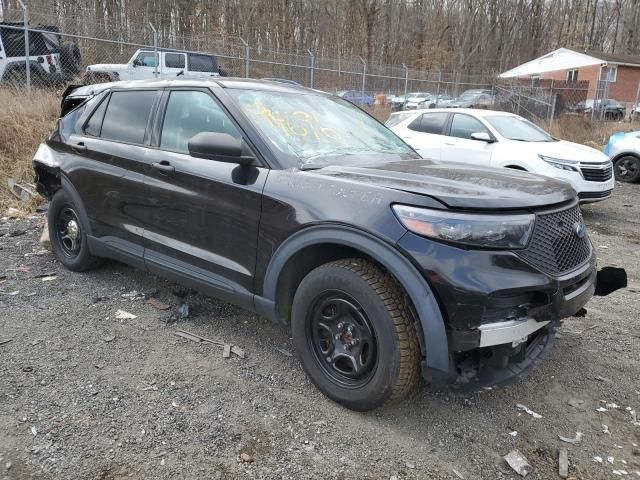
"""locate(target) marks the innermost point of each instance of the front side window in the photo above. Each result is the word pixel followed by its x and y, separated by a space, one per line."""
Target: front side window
pixel 127 115
pixel 463 126
pixel 312 131
pixel 517 128
pixel 146 59
pixel 430 123
pixel 174 60
pixel 189 113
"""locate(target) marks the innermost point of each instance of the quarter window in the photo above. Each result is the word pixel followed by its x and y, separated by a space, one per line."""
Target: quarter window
pixel 463 126
pixel 127 116
pixel 189 113
pixel 429 123
pixel 174 60
pixel 202 63
pixel 94 124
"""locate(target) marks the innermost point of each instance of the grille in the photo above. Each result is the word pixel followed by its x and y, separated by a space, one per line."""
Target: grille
pixel 597 174
pixel 555 248
pixel 591 195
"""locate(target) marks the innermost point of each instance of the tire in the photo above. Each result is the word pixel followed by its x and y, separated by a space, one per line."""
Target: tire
pixel 69 240
pixel 70 58
pixel 350 313
pixel 627 169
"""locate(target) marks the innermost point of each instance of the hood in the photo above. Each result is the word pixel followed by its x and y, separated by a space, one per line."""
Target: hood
pixel 418 99
pixel 458 185
pixel 106 67
pixel 564 150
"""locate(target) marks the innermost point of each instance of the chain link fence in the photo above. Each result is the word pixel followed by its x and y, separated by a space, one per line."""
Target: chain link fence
pixel 45 50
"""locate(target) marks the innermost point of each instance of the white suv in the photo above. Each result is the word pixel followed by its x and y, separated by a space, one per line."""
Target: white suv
pixel 500 139
pixel 144 64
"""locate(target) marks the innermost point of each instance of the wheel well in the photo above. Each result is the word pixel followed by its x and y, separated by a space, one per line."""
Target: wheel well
pixel 47 181
pixel 310 258
pixel 516 167
pixel 625 154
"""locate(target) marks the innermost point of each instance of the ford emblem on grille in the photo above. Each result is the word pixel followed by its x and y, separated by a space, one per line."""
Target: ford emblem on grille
pixel 579 229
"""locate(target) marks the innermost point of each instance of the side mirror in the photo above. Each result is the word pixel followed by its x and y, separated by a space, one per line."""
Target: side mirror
pixel 482 136
pixel 136 63
pixel 218 146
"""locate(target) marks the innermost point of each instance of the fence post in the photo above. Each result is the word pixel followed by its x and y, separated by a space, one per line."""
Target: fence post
pixel 438 88
pixel 246 57
pixel 27 65
pixel 554 98
pixel 636 106
pixel 155 49
pixel 313 61
pixel 406 83
pixel 364 76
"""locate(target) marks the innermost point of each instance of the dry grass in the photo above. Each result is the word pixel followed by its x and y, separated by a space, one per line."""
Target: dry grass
pixel 25 121
pixel 593 134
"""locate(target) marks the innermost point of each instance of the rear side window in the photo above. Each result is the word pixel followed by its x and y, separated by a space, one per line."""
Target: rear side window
pixel 429 123
pixel 174 60
pixel 202 63
pixel 127 115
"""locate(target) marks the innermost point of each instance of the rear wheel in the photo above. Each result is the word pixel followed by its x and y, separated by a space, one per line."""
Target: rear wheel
pixel 68 235
pixel 354 334
pixel 627 168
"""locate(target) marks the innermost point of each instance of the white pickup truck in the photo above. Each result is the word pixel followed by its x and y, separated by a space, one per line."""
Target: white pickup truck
pixel 144 64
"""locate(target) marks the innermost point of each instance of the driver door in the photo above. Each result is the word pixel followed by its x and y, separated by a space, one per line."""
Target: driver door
pixel 143 66
pixel 458 146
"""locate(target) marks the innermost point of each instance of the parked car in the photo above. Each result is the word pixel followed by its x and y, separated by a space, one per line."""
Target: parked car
pixel 282 80
pixel 608 109
pixel 147 64
pixel 356 97
pixel 418 100
pixel 624 151
pixel 501 139
pixel 472 98
pixel 51 60
pixel 299 206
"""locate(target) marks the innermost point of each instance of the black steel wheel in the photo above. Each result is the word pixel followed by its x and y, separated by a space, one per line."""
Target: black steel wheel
pixel 355 335
pixel 342 339
pixel 68 233
pixel 627 168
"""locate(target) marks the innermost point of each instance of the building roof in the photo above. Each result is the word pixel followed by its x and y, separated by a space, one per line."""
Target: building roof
pixel 567 59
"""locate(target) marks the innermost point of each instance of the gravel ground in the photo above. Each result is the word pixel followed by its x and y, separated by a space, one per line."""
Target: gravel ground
pixel 85 395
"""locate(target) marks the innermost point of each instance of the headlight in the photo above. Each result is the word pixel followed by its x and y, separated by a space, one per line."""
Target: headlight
pixel 485 231
pixel 560 163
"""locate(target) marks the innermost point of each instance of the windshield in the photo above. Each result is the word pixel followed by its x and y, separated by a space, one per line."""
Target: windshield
pixel 517 128
pixel 312 131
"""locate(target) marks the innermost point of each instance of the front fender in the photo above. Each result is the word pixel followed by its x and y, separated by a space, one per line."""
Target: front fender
pixel 415 285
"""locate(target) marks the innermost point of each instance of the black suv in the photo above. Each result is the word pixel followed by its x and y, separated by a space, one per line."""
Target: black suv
pixel 299 206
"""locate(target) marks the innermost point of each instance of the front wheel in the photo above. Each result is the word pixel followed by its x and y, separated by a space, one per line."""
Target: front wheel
pixel 627 169
pixel 354 334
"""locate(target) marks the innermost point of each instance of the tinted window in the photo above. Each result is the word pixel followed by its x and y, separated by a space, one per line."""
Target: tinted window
pixel 94 124
pixel 202 63
pixel 146 59
pixel 127 115
pixel 463 126
pixel 429 123
pixel 189 113
pixel 174 60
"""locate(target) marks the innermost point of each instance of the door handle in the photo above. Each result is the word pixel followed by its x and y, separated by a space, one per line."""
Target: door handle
pixel 79 147
pixel 450 144
pixel 164 167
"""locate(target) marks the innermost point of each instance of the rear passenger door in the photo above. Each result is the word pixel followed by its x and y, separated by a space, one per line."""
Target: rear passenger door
pixel 110 151
pixel 174 64
pixel 203 215
pixel 426 134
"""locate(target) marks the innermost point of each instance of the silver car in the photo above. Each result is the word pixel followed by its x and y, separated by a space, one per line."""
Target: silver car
pixel 624 151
